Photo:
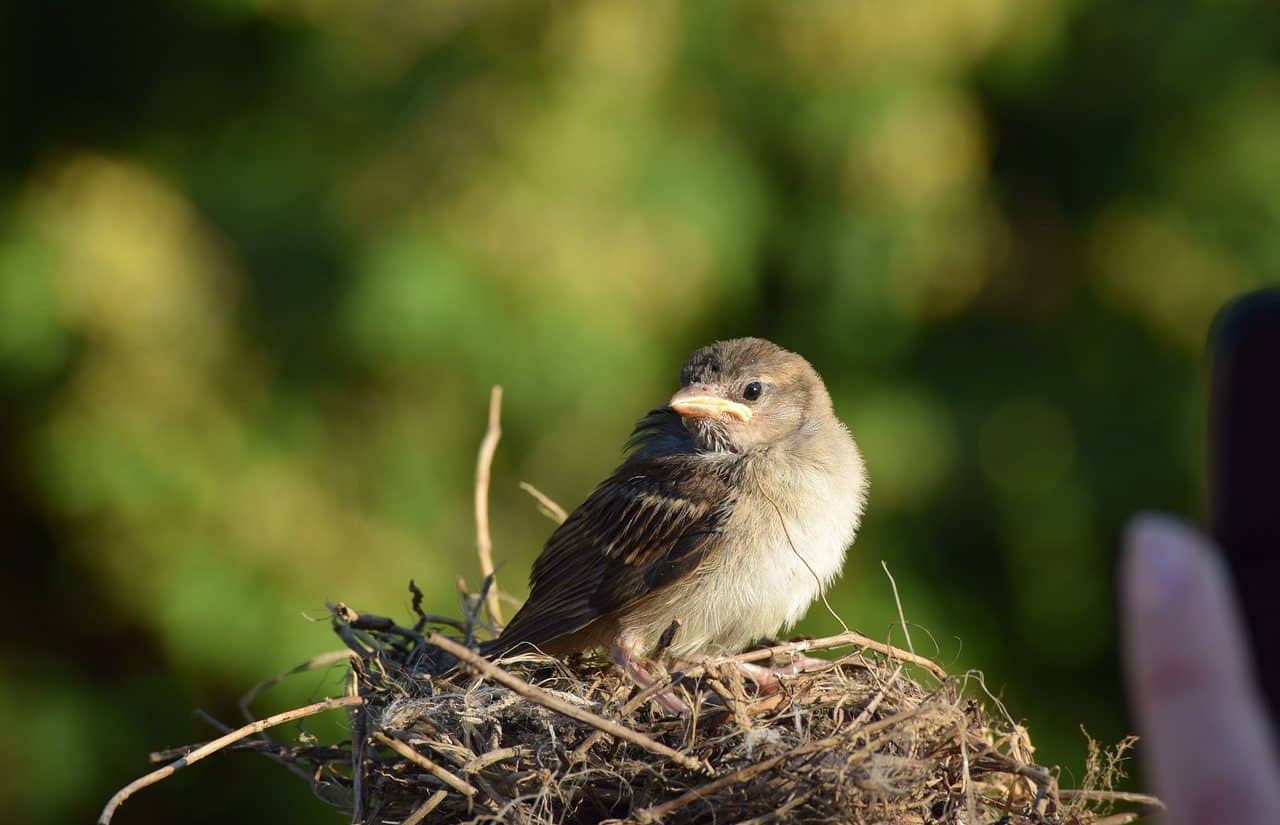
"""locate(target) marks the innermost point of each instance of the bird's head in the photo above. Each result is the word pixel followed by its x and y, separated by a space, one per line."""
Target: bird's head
pixel 745 393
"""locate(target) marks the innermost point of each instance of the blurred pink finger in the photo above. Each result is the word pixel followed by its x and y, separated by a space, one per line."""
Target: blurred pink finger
pixel 1206 738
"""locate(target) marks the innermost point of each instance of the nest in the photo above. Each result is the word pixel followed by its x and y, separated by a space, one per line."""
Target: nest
pixel 875 735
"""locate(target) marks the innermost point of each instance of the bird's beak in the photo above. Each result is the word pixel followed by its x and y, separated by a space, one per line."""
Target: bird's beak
pixel 698 401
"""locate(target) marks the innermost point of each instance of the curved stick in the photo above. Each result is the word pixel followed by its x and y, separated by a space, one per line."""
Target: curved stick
pixel 218 744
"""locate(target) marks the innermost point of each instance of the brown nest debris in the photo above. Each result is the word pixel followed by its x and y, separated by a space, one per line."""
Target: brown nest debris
pixel 439 734
pixel 877 736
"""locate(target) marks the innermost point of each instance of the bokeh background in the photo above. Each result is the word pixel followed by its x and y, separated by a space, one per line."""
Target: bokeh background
pixel 260 261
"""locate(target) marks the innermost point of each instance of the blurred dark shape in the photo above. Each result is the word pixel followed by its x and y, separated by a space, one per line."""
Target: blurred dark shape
pixel 1245 467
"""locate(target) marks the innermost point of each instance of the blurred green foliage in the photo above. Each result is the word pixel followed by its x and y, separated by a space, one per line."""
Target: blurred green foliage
pixel 260 262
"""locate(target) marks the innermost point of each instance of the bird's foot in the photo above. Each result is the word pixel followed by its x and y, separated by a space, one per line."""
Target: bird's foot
pixel 767 678
pixel 634 668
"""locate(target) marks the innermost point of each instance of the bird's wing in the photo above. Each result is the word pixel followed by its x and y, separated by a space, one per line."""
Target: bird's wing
pixel 646 526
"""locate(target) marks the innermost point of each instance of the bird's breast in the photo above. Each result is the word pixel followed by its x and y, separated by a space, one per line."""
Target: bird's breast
pixel 784 542
pixel 796 537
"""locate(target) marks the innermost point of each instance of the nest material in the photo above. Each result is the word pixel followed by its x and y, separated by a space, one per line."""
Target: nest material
pixel 441 735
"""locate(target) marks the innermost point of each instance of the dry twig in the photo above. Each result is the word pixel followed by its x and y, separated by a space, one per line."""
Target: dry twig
pixel 406 750
pixel 844 639
pixel 484 465
pixel 546 506
pixel 218 744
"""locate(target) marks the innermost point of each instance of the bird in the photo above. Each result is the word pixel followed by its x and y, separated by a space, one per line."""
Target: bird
pixel 731 513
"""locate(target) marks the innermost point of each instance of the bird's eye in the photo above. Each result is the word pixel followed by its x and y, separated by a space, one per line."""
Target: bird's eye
pixel 752 391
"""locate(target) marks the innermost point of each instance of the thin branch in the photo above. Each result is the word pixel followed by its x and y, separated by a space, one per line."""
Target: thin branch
pixel 314 663
pixel 1112 796
pixel 218 744
pixel 359 745
pixel 546 506
pixel 539 696
pixel 902 618
pixel 269 748
pixel 780 814
pixel 484 760
pixel 1118 819
pixel 874 704
pixel 408 752
pixel 420 815
pixel 368 621
pixel 425 619
pixel 966 776
pixel 851 637
pixel 484 463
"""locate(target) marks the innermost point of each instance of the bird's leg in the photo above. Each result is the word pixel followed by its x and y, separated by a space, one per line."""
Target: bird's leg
pixel 766 678
pixel 630 664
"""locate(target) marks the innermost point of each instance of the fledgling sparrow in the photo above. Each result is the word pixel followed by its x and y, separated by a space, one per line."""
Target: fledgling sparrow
pixel 731 514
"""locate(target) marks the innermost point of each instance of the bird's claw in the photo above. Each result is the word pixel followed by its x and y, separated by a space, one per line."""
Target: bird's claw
pixel 632 667
pixel 767 678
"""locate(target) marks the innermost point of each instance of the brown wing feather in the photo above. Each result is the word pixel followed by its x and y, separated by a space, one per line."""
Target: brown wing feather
pixel 648 524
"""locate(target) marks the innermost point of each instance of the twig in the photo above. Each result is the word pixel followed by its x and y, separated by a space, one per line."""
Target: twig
pixel 425 619
pixel 408 752
pixel 314 663
pixel 268 749
pixel 425 808
pixel 484 463
pixel 546 506
pixel 359 746
pixel 780 814
pixel 851 637
pixel 1118 819
pixel 1112 796
pixel 368 621
pixel 657 812
pixel 874 704
pixel 217 745
pixel 535 694
pixel 966 777
pixel 902 618
pixel 473 606
pixel 484 760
